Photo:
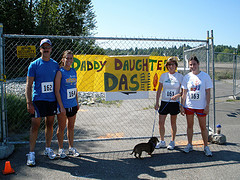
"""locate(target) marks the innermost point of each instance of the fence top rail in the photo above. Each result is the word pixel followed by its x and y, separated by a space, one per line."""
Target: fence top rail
pixel 199 47
pixel 227 53
pixel 99 38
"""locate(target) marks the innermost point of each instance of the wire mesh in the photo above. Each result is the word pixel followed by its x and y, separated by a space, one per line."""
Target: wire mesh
pixel 227 68
pixel 97 119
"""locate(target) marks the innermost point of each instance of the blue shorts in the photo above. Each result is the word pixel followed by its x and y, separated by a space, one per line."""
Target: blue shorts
pixel 44 108
pixel 171 108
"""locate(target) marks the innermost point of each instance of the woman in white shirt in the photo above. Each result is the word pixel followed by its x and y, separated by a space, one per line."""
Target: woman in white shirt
pixel 196 87
pixel 169 85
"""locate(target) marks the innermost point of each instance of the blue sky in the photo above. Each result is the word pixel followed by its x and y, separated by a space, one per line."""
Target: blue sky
pixel 180 19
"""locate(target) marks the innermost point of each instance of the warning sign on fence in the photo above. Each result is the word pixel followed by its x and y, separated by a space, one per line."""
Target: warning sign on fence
pixel 26 51
pixel 101 73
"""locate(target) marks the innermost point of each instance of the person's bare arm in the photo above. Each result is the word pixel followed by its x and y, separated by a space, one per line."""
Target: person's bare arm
pixel 158 96
pixel 208 96
pixel 29 83
pixel 57 91
pixel 183 100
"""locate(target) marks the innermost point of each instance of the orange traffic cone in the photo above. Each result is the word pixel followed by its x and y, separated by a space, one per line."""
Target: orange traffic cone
pixel 8 169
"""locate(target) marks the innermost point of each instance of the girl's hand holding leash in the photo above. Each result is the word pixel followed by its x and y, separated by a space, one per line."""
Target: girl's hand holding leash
pixel 174 97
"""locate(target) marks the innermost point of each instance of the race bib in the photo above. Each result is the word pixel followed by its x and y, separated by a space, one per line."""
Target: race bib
pixel 194 95
pixel 47 87
pixel 170 93
pixel 71 93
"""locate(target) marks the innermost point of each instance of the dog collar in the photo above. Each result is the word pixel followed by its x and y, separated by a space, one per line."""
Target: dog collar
pixel 153 144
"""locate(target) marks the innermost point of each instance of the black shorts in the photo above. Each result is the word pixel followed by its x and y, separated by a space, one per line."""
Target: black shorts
pixel 44 108
pixel 70 112
pixel 171 108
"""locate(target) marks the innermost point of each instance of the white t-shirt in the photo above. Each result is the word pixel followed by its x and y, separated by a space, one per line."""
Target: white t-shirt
pixel 171 85
pixel 196 86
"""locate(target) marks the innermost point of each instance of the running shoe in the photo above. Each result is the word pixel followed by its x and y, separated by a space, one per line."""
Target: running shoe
pixel 171 145
pixel 31 159
pixel 188 148
pixel 207 152
pixel 161 144
pixel 62 154
pixel 73 152
pixel 50 154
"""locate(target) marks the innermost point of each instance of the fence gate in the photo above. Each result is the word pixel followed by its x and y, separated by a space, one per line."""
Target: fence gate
pixel 97 119
pixel 227 67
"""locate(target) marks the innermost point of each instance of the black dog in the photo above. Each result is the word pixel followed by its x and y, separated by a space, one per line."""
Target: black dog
pixel 147 147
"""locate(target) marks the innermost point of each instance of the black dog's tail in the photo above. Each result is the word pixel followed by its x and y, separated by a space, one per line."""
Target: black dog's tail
pixel 133 151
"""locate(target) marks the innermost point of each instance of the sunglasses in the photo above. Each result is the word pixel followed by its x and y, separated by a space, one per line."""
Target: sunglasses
pixel 46 47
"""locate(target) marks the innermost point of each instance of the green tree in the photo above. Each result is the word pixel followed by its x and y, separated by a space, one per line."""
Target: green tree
pixel 75 18
pixel 17 16
pixel 51 17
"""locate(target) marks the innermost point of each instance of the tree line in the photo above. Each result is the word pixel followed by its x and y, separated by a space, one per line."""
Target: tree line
pixel 223 53
pixel 48 17
pixel 76 18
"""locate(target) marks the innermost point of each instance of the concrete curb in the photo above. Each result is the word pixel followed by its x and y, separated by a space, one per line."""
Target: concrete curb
pixel 6 150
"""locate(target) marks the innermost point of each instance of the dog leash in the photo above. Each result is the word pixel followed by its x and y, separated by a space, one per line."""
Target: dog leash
pixel 155 117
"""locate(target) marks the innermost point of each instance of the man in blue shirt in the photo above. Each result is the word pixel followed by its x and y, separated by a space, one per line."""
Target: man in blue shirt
pixel 41 100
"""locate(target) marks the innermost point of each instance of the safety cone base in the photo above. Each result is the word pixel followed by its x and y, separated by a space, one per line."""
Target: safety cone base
pixel 10 172
pixel 8 169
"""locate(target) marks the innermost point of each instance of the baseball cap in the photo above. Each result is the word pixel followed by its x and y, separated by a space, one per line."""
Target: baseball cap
pixel 45 41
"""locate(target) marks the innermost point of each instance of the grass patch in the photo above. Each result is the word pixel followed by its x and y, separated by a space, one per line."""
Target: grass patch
pixel 17 116
pixel 149 107
pixel 232 100
pixel 109 103
pixel 223 75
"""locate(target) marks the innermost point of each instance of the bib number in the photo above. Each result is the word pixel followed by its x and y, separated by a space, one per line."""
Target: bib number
pixel 194 95
pixel 170 93
pixel 71 93
pixel 47 87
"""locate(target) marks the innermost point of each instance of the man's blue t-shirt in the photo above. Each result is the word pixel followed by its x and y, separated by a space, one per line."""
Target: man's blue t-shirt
pixel 44 73
pixel 68 88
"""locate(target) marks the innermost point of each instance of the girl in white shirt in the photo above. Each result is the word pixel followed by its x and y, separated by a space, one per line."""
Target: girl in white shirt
pixel 196 87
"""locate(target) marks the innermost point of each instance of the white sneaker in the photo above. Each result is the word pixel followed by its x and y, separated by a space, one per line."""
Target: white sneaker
pixel 62 154
pixel 31 159
pixel 171 145
pixel 50 154
pixel 161 144
pixel 73 152
pixel 188 148
pixel 207 151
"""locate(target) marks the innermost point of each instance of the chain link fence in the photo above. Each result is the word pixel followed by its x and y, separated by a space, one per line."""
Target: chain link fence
pixel 227 68
pixel 97 119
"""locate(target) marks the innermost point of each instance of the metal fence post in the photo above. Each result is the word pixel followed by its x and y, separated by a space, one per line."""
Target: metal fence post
pixel 234 73
pixel 5 149
pixel 208 71
pixel 213 73
pixel 1 61
pixel 2 79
